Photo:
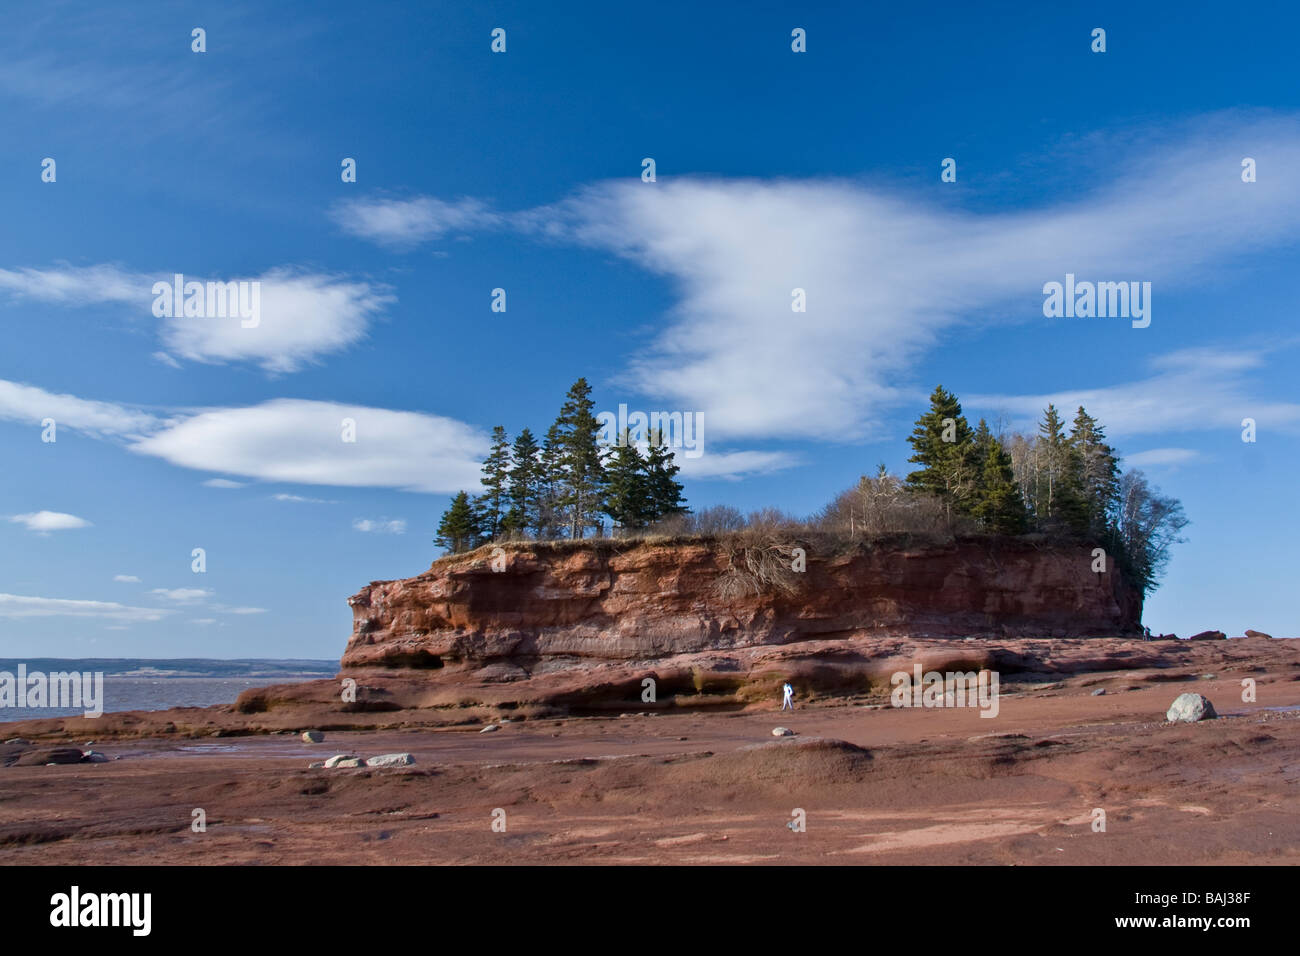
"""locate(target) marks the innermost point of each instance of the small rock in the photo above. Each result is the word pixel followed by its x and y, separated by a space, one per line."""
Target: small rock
pixel 391 760
pixel 312 737
pixel 350 762
pixel 1099 692
pixel 1208 677
pixel 338 759
pixel 1250 633
pixel 1209 636
pixel 1189 708
pixel 489 728
pixel 94 756
pixel 316 765
pixel 782 732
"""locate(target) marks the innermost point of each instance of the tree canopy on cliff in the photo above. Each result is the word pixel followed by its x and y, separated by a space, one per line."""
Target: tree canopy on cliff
pixel 1052 482
pixel 562 487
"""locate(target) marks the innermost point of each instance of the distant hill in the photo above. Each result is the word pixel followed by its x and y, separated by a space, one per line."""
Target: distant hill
pixel 176 667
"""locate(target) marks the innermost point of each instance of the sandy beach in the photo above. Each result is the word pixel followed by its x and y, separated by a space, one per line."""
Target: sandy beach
pixel 877 785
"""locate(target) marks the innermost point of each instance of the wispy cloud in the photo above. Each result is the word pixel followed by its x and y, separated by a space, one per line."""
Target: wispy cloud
pixel 886 275
pixel 285 440
pixel 407 222
pixel 44 522
pixel 303 315
pixel 1190 390
pixel 380 526
pixel 17 605
pixel 126 579
pixel 183 595
pixel 1162 457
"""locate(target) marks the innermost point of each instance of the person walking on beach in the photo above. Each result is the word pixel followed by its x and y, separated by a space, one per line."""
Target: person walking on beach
pixel 787 700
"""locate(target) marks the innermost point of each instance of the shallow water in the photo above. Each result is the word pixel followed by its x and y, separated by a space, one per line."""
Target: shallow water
pixel 159 693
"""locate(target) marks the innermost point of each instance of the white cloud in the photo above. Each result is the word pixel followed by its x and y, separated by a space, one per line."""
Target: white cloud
pixel 288 440
pixel 241 610
pixel 16 606
pixel 302 317
pixel 732 465
pixel 47 521
pixel 1191 390
pixel 299 499
pixel 381 526
pixel 183 595
pixel 1158 457
pixel 300 442
pixel 887 275
pixel 405 222
pixel 31 405
pixel 126 578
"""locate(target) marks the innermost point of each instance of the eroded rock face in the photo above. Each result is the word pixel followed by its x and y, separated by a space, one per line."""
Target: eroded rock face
pixel 555 607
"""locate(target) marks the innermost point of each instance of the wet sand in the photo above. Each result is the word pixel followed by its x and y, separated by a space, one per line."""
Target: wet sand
pixel 877 785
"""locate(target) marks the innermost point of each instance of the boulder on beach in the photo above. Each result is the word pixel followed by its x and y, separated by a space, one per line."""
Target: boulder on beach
pixel 1209 636
pixel 348 762
pixel 391 760
pixel 782 732
pixel 1250 633
pixel 312 737
pixel 489 729
pixel 337 759
pixel 1189 708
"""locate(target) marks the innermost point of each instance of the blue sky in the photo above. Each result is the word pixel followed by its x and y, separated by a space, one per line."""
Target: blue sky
pixel 522 170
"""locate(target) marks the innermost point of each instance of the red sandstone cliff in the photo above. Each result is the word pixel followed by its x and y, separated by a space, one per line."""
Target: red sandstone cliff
pixel 538 609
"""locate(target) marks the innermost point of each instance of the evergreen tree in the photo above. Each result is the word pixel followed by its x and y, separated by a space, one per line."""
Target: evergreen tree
pixel 580 458
pixel 492 504
pixel 943 445
pixel 663 490
pixel 997 503
pixel 1061 503
pixel 550 515
pixel 1098 474
pixel 458 531
pixel 626 493
pixel 525 489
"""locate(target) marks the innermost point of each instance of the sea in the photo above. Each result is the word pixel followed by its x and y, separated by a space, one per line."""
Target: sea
pixel 145 684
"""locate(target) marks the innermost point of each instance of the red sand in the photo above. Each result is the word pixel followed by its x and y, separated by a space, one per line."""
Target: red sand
pixel 941 786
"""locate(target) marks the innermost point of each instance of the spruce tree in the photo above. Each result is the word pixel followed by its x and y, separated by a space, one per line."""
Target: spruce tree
pixel 943 445
pixel 492 504
pixel 997 503
pixel 1060 498
pixel 1098 474
pixel 458 531
pixel 580 458
pixel 550 508
pixel 525 488
pixel 626 494
pixel 663 490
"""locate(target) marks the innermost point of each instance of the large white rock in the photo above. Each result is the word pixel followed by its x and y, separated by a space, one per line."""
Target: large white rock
pixel 391 760
pixel 1189 708
pixel 339 758
pixel 782 732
